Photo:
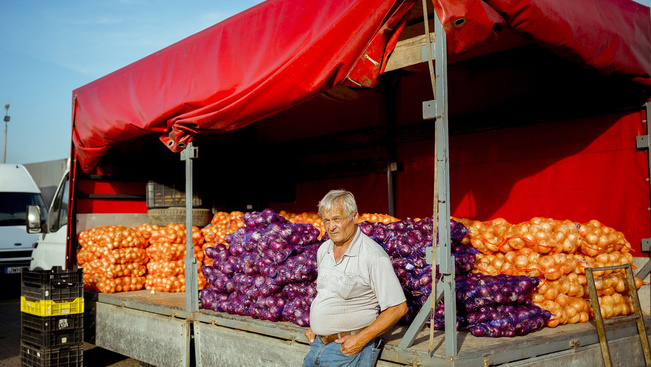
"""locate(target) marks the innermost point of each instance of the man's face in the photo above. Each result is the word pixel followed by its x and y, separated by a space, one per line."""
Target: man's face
pixel 340 229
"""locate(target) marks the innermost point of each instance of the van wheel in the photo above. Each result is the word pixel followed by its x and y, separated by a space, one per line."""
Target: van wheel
pixel 163 216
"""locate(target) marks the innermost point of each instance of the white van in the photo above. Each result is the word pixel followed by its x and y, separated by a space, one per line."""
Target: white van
pixel 50 251
pixel 17 191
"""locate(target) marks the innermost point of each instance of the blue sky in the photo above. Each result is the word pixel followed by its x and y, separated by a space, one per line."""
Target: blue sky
pixel 48 48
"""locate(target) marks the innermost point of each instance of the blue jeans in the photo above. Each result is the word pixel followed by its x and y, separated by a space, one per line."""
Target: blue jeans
pixel 330 355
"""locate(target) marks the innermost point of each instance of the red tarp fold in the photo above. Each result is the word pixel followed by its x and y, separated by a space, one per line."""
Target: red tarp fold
pixel 283 52
pixel 612 36
pixel 259 62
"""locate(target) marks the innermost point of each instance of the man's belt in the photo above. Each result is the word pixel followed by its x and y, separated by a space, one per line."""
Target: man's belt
pixel 327 339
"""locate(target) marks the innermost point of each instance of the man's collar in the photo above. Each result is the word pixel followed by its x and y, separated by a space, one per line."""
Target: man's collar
pixel 353 247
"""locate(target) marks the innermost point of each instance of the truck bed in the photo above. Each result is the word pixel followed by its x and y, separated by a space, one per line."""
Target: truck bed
pixel 238 340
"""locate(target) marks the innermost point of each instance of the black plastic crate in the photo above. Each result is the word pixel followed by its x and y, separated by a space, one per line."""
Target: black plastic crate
pixel 48 339
pixel 52 323
pixel 55 284
pixel 165 195
pixel 68 356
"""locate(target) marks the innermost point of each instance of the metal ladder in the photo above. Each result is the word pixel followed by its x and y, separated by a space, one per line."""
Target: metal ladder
pixel 637 315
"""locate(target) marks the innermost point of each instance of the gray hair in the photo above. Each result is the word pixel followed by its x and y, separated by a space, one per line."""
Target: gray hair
pixel 341 198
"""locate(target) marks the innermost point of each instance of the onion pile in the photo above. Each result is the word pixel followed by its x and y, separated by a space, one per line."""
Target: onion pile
pixel 113 258
pixel 378 218
pixel 557 252
pixel 112 270
pixel 222 223
pixel 495 305
pixel 507 320
pixel 311 218
pixel 405 242
pixel 266 270
pixel 166 251
pixel 490 306
pixel 475 291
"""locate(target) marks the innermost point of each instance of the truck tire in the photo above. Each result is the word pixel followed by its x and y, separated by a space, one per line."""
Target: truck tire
pixel 164 216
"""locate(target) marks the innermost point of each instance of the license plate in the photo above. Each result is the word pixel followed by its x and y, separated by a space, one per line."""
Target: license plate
pixel 14 269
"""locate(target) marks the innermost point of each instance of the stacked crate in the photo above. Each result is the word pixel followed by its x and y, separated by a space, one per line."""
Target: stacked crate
pixel 52 317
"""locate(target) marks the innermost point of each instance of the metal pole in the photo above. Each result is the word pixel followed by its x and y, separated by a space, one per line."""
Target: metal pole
pixel 441 255
pixel 647 107
pixel 445 259
pixel 391 197
pixel 4 151
pixel 644 142
pixel 191 268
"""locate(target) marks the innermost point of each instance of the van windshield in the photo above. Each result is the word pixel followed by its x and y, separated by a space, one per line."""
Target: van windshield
pixel 13 207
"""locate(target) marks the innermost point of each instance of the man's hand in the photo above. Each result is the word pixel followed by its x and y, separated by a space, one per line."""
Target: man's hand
pixel 351 344
pixel 309 334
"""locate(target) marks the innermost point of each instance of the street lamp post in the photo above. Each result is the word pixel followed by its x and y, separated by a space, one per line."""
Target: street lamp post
pixel 4 151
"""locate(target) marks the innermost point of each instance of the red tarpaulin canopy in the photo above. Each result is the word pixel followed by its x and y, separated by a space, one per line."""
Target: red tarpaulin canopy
pixel 283 52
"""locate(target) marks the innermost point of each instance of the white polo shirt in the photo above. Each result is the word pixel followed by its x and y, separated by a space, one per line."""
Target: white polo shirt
pixel 352 293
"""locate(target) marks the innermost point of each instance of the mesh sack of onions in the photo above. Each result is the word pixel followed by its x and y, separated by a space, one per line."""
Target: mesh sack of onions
pixel 268 308
pixel 405 242
pixel 495 306
pixel 477 290
pixel 168 243
pixel 222 223
pixel 249 272
pixel 146 230
pixel 300 296
pixel 297 310
pixel 557 252
pixel 311 218
pixel 111 237
pixel 107 269
pixel 170 283
pixel 113 258
pixel 167 251
pixel 98 283
pixel 507 320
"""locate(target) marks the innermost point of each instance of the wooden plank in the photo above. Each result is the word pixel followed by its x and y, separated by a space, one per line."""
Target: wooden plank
pixel 407 53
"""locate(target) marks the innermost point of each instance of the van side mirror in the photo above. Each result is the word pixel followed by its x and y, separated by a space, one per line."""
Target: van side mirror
pixel 33 219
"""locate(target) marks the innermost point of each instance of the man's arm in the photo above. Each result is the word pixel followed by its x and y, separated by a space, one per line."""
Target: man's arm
pixel 352 344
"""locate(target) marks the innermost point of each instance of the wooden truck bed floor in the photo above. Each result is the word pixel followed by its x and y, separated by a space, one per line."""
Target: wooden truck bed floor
pixel 564 339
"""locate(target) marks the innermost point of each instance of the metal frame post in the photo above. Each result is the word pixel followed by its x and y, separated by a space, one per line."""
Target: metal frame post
pixel 644 142
pixel 191 267
pixel 6 119
pixel 444 257
pixel 437 109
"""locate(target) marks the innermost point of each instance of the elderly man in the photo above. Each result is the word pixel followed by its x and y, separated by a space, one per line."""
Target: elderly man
pixel 359 296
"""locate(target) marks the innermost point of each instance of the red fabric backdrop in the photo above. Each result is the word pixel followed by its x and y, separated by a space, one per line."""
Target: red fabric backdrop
pixel 579 170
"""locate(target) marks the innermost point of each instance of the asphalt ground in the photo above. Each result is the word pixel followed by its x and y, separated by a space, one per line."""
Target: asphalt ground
pixel 10 332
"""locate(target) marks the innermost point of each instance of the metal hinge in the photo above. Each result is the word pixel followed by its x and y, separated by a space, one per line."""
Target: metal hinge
pixel 642 142
pixel 430 110
pixel 423 52
pixel 190 152
pixel 646 244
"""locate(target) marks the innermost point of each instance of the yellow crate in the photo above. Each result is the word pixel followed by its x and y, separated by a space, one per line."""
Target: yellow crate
pixel 51 308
